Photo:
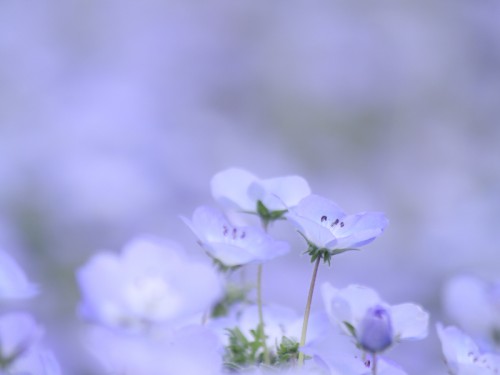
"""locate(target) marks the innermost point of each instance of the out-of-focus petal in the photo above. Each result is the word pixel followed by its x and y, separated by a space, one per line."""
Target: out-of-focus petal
pixel 410 321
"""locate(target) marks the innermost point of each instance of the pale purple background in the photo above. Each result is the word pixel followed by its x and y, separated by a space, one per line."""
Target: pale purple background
pixel 114 115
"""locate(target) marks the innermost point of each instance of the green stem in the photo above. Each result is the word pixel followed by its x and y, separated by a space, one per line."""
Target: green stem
pixel 267 359
pixel 308 310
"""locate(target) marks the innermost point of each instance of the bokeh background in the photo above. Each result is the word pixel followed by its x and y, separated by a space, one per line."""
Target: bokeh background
pixel 114 115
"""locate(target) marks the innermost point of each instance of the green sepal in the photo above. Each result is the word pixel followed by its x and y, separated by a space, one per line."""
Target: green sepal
pixel 268 216
pixel 340 251
pixel 322 252
pixel 350 328
pixel 221 267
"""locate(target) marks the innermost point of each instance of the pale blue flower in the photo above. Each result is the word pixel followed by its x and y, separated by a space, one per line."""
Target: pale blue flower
pixel 375 330
pixel 335 351
pixel 374 324
pixel 326 226
pixel 462 354
pixel 240 189
pixel 150 282
pixel 233 245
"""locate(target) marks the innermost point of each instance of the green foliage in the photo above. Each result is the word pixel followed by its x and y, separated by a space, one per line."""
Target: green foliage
pixel 242 352
pixel 234 295
pixel 288 352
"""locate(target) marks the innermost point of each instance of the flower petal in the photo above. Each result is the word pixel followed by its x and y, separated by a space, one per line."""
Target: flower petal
pixel 410 321
pixel 280 193
pixel 349 304
pixel 230 188
pixel 360 229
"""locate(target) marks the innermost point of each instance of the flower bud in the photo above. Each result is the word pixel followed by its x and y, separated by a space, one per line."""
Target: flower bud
pixel 375 333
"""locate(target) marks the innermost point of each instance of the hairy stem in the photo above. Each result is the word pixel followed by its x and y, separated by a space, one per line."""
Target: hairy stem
pixel 267 359
pixel 308 310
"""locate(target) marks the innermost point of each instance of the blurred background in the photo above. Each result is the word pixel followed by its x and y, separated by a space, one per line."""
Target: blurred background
pixel 114 115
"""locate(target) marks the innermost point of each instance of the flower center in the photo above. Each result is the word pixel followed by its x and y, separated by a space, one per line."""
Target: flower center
pixel 152 298
pixel 332 225
pixel 233 233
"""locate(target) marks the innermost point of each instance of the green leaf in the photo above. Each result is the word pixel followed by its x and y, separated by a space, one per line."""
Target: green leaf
pixel 350 328
pixel 288 351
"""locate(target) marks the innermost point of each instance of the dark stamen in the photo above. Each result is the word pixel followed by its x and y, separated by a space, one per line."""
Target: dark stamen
pixel 323 218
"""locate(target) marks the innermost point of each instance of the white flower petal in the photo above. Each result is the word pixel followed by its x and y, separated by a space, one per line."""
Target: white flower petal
pixel 349 304
pixel 410 321
pixel 280 192
pixel 230 188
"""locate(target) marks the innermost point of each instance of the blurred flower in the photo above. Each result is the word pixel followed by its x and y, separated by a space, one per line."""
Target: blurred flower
pixel 345 358
pixel 326 226
pixel 21 351
pixel 475 305
pixel 374 325
pixel 232 245
pixel 13 281
pixel 150 282
pixel 190 350
pixel 462 354
pixel 240 189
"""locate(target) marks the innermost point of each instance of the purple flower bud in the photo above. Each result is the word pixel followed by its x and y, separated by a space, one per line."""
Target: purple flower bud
pixel 375 333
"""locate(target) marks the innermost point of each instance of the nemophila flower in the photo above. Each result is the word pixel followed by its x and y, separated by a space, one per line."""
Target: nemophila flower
pixel 191 350
pixel 13 282
pixel 374 325
pixel 462 355
pixel 326 227
pixel 21 349
pixel 333 351
pixel 151 281
pixel 233 245
pixel 475 305
pixel 240 189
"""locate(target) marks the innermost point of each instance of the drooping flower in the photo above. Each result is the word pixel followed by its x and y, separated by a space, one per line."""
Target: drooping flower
pixel 240 189
pixel 374 324
pixel 150 282
pixel 326 226
pixel 462 355
pixel 21 349
pixel 13 282
pixel 233 245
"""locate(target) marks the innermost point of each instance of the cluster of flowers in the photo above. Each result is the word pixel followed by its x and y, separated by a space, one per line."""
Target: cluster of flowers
pixel 155 311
